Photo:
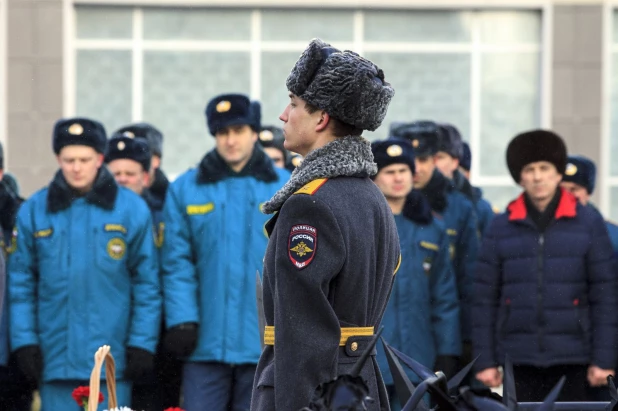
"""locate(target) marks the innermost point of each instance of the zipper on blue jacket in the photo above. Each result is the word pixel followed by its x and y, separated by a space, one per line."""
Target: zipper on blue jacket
pixel 246 260
pixel 540 291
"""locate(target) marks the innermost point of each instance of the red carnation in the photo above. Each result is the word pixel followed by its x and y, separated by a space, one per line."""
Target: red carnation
pixel 81 395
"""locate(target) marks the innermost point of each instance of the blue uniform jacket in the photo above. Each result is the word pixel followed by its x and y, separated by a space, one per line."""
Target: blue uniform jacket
pixel 457 213
pixel 612 230
pixel 83 273
pixel 422 315
pixel 484 211
pixel 155 205
pixel 213 246
pixel 546 298
pixel 4 321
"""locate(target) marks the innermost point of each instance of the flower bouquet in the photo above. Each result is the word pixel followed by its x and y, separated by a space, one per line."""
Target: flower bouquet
pixel 90 397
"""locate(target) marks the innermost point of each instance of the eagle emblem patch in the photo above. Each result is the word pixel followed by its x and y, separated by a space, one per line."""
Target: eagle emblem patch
pixel 302 245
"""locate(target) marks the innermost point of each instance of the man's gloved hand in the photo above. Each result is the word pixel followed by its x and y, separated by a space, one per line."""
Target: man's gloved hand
pixel 181 340
pixel 447 364
pixel 140 363
pixel 30 361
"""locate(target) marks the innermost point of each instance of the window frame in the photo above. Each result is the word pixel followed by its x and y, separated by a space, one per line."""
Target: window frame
pixel 255 46
pixel 4 61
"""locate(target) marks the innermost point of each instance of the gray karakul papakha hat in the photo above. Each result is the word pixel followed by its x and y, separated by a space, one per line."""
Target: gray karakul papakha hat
pixel 345 85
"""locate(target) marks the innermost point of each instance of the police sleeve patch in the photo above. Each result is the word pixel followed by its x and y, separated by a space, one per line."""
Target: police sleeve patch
pixel 302 245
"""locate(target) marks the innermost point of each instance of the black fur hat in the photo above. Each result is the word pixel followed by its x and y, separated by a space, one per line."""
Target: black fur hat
pixel 232 110
pixel 465 161
pixel 146 131
pixel 580 170
pixel 532 146
pixel 271 136
pixel 347 86
pixel 393 151
pixel 79 131
pixel 423 135
pixel 135 149
pixel 451 142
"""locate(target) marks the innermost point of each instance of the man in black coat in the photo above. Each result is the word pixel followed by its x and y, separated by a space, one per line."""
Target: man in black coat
pixel 333 248
pixel 545 285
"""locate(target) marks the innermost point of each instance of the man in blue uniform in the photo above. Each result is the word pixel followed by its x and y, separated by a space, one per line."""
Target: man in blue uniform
pixel 271 139
pixel 422 316
pixel 450 206
pixel 157 182
pixel 83 273
pixel 451 151
pixel 213 246
pixel 579 179
pixel 129 160
pixel 15 390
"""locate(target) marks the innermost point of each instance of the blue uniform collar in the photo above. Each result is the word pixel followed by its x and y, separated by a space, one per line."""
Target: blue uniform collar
pixel 213 168
pixel 436 191
pixel 416 208
pixel 154 202
pixel 103 194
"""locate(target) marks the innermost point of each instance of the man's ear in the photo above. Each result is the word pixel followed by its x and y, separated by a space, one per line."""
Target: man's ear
pixel 323 121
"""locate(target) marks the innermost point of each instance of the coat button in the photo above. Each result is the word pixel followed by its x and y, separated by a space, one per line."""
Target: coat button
pixel 354 346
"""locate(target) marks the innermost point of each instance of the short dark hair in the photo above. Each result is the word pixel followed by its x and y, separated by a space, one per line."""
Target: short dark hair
pixel 340 129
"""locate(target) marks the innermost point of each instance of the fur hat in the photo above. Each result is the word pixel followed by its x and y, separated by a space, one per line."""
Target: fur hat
pixel 135 149
pixel 146 131
pixel 580 170
pixel 423 135
pixel 79 131
pixel 232 110
pixel 532 146
pixel 272 136
pixel 450 141
pixel 294 160
pixel 345 85
pixel 465 161
pixel 393 151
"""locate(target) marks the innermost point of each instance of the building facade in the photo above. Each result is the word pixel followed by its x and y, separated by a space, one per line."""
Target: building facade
pixel 492 68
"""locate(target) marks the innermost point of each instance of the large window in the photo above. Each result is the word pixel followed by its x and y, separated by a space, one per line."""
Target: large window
pixel 479 70
pixel 612 180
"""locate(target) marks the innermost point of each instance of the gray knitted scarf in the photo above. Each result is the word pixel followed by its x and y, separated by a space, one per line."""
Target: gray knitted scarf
pixel 346 156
